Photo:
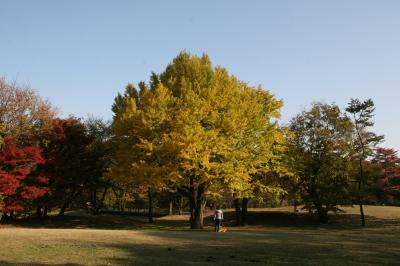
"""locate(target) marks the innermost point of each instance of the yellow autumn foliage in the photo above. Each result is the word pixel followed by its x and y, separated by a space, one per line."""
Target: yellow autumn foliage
pixel 196 129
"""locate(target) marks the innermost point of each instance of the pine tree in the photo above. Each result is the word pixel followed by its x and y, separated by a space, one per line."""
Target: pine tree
pixel 364 141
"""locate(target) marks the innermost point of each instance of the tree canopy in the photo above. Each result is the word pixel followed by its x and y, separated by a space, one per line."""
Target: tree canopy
pixel 321 150
pixel 195 129
pixel 23 113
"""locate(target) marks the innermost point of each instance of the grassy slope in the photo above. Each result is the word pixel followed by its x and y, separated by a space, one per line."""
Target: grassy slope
pixel 276 237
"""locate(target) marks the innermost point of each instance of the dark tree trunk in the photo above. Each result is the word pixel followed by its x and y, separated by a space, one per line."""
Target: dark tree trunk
pixel 181 205
pixel 362 214
pixel 39 213
pixel 45 211
pixel 120 202
pixel 100 205
pixel 237 211
pixel 150 195
pixel 94 197
pixel 360 198
pixel 322 214
pixel 69 200
pixel 245 201
pixel 360 202
pixel 170 208
pixel 196 221
pixel 63 209
pixel 5 218
pixel 197 202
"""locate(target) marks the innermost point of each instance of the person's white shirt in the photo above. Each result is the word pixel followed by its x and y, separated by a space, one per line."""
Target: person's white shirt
pixel 219 215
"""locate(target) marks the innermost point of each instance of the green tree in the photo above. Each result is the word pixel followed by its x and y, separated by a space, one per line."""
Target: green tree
pixel 320 150
pixel 98 160
pixel 365 141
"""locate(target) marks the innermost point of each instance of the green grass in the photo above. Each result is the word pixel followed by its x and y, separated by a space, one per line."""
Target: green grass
pixel 275 237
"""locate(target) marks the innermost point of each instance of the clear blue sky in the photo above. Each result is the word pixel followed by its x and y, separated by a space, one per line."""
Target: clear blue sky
pixel 79 54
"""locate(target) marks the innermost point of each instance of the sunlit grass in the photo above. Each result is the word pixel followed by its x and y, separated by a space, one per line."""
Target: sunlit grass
pixel 168 242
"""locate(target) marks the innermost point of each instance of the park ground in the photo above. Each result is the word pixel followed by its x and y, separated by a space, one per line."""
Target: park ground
pixel 274 237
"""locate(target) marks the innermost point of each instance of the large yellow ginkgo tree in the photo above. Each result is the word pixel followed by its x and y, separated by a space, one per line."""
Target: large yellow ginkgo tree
pixel 196 129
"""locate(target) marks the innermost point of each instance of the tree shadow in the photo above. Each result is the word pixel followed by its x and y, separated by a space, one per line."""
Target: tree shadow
pixel 102 221
pixel 256 219
pixel 250 248
pixel 6 263
pixel 305 220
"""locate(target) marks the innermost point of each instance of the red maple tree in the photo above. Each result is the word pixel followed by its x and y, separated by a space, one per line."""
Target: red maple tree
pixel 389 163
pixel 19 179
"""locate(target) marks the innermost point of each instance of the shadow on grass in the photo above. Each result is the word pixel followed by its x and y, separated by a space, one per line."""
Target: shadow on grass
pixel 180 248
pixel 278 245
pixel 102 221
pixel 6 263
pixel 262 219
pixel 284 219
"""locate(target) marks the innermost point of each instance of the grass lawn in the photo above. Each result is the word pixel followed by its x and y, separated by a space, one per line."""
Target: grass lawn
pixel 275 237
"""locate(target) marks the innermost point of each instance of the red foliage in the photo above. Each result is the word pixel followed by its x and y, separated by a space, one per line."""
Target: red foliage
pixel 9 183
pixel 42 179
pixel 65 134
pixel 18 182
pixel 389 164
pixel 32 192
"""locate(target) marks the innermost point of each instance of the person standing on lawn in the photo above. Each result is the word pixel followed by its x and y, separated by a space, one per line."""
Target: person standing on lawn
pixel 218 218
